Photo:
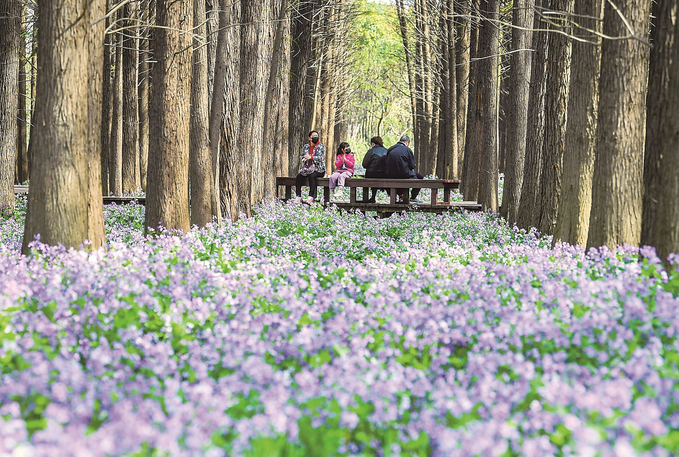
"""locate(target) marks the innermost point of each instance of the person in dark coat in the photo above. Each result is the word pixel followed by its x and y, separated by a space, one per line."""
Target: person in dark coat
pixel 400 164
pixel 373 162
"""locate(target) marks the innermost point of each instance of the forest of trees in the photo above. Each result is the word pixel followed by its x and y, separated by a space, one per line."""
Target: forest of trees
pixel 201 103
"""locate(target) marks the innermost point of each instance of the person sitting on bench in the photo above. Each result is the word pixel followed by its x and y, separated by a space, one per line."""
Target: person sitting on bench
pixel 344 164
pixel 373 162
pixel 400 164
pixel 312 166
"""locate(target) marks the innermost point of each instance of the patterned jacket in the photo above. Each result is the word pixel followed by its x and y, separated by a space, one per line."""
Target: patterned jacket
pixel 319 156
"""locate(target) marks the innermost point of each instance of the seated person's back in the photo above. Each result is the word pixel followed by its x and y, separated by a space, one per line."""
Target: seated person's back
pixel 400 161
pixel 373 162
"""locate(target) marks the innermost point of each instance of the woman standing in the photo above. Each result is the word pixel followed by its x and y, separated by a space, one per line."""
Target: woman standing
pixel 312 166
pixel 344 168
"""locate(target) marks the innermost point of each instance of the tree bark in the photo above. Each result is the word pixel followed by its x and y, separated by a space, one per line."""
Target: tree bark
pixel 62 204
pixel 517 109
pixel 462 54
pixel 528 215
pixel 447 160
pixel 489 45
pixel 106 107
pixel 167 201
pixel 615 217
pixel 661 162
pixel 412 85
pixel 471 159
pixel 22 116
pixel 144 85
pixel 115 153
pixel 200 164
pixel 583 104
pixel 301 53
pixel 131 181
pixel 10 28
pixel 556 102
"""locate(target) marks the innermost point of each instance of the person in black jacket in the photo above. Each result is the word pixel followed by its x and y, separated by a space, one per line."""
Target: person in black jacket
pixel 373 162
pixel 400 164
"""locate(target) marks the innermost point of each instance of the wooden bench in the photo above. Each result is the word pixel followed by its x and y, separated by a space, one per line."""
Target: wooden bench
pixel 120 200
pixel 447 185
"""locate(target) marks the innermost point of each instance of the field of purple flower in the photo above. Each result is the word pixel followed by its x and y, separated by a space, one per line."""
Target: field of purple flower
pixel 309 332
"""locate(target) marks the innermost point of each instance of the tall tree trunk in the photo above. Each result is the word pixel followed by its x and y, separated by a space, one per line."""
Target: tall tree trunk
pixel 412 84
pixel 270 104
pixel 572 224
pixel 488 77
pixel 282 136
pixel 517 109
pixel 528 215
pixel 143 102
pixel 217 104
pixel 471 164
pixel 64 191
pixel 10 28
pixel 96 28
pixel 131 181
pixel 212 31
pixel 22 117
pixel 556 102
pixel 300 56
pixel 115 153
pixel 106 101
pixel 200 164
pixel 615 217
pixel 446 163
pixel 231 168
pixel 462 54
pixel 661 167
pixel 167 200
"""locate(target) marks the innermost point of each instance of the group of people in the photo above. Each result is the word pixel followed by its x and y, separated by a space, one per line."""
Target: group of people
pixel 397 162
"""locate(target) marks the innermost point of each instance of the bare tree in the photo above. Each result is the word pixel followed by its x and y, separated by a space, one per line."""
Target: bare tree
pixel 131 180
pixel 200 163
pixel 556 102
pixel 615 217
pixel 572 224
pixel 528 215
pixel 517 110
pixel 62 205
pixel 115 152
pixel 22 113
pixel 167 201
pixel 10 28
pixel 661 163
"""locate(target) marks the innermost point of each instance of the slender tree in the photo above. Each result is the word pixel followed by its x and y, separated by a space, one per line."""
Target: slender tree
pixel 517 109
pixel 462 48
pixel 661 163
pixel 145 57
pixel 583 104
pixel 10 24
pixel 488 78
pixel 615 217
pixel 200 163
pixel 447 161
pixel 115 152
pixel 107 87
pixel 471 163
pixel 22 113
pixel 167 201
pixel 65 185
pixel 528 213
pixel 556 102
pixel 131 167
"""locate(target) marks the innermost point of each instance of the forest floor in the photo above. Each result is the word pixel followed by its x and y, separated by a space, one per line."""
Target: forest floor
pixel 304 331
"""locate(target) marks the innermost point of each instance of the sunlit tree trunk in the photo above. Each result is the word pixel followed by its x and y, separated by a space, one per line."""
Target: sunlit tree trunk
pixel 115 153
pixel 106 114
pixel 556 102
pixel 471 163
pixel 64 205
pixel 131 181
pixel 144 79
pixel 488 78
pixel 22 113
pixel 167 201
pixel 200 165
pixel 615 217
pixel 572 224
pixel 10 28
pixel 462 53
pixel 517 109
pixel 528 214
pixel 660 227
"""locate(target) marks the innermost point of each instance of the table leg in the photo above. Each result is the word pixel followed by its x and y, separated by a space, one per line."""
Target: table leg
pixel 326 194
pixel 365 195
pixel 392 196
pixel 434 196
pixel 352 194
pixel 446 195
pixel 288 192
